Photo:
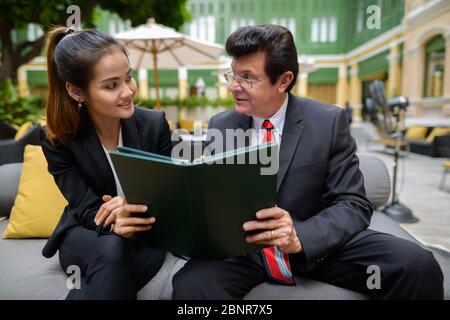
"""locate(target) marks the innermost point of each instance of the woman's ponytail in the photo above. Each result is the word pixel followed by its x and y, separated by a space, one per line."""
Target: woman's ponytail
pixel 61 109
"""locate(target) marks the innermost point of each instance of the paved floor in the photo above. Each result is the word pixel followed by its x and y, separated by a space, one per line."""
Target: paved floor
pixel 418 189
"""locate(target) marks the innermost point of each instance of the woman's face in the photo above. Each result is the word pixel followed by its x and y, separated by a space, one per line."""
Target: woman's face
pixel 110 93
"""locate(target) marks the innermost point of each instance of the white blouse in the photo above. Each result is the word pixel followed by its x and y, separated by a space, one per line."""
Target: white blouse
pixel 116 179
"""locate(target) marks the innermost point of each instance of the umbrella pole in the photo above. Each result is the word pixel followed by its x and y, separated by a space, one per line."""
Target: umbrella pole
pixel 155 74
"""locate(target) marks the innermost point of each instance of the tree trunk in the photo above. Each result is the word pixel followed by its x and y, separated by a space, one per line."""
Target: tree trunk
pixel 7 62
pixel 12 58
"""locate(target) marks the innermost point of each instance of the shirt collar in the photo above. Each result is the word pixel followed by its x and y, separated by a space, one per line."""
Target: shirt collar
pixel 277 119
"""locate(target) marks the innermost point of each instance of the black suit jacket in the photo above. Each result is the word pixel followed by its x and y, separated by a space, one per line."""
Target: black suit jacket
pixel 82 171
pixel 319 182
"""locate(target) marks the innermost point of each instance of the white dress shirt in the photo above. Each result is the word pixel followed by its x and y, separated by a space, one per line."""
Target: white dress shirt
pixel 277 121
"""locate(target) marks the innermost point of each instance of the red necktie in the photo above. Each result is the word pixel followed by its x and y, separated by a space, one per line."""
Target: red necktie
pixel 268 134
pixel 277 263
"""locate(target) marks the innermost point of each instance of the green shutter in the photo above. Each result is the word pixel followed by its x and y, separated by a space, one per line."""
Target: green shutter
pixel 37 77
pixel 208 76
pixel 435 44
pixel 377 63
pixel 167 78
pixel 323 76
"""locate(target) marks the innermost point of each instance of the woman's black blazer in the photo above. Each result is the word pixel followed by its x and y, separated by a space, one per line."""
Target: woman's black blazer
pixel 83 174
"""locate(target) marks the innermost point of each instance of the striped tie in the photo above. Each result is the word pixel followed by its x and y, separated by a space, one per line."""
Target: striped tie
pixel 277 263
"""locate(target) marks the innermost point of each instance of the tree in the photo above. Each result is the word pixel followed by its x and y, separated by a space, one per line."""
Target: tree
pixel 17 14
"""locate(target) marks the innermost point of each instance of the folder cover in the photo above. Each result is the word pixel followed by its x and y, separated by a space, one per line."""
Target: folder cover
pixel 199 206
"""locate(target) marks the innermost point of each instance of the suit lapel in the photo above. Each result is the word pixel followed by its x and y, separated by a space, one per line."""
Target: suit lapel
pixel 292 132
pixel 130 135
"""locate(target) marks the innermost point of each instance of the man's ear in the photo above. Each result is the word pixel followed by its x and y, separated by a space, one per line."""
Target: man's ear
pixel 75 92
pixel 285 80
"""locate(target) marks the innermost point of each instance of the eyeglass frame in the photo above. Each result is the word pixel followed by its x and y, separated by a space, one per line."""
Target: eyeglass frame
pixel 230 75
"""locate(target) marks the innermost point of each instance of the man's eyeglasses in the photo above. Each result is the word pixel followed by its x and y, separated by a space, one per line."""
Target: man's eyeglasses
pixel 246 83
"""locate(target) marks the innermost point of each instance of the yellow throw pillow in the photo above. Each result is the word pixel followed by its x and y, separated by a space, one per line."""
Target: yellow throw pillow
pixel 39 203
pixel 437 132
pixel 22 130
pixel 416 133
pixel 186 124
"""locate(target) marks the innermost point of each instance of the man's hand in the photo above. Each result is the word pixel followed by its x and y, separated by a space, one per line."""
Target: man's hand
pixel 276 229
pixel 126 225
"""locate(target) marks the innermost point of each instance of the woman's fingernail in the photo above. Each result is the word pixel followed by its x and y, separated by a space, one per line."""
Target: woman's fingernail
pixel 144 208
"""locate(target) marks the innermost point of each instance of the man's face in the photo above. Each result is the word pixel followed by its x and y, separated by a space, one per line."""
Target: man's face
pixel 262 99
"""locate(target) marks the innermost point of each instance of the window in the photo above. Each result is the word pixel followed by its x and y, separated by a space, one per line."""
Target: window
pixel 193 29
pixel 323 29
pixel 332 35
pixel 202 28
pixel 211 28
pixel 434 67
pixel 112 26
pixel 292 26
pixel 315 30
pixel 360 21
pixel 233 25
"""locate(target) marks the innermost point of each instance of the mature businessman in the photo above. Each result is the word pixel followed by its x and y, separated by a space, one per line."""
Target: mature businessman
pixel 319 227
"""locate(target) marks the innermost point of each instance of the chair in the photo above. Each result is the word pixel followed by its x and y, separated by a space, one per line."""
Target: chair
pixel 7 131
pixel 11 150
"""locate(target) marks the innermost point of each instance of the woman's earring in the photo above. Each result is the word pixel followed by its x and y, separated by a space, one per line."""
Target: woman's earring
pixel 79 105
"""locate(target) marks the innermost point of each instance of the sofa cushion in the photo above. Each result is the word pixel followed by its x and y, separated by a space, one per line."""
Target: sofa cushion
pixel 376 179
pixel 416 133
pixel 26 274
pixel 22 130
pixel 39 203
pixel 311 289
pixel 437 132
pixel 9 177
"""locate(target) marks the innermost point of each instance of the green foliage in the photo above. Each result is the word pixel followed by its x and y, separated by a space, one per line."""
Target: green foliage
pixel 16 15
pixel 7 91
pixel 190 103
pixel 22 110
pixel 18 110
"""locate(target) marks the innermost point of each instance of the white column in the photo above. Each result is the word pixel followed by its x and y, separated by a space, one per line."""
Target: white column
pixel 23 82
pixel 143 84
pixel 302 86
pixel 182 82
pixel 342 86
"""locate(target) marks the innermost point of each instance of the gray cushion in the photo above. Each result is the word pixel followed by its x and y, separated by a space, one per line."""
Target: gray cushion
pixel 160 287
pixel 9 177
pixel 311 289
pixel 376 179
pixel 25 273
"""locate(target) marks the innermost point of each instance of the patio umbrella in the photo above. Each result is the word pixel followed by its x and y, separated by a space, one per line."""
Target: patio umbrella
pixel 154 46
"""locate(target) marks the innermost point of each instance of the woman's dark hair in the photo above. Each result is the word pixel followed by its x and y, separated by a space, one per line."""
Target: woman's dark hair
pixel 71 57
pixel 275 41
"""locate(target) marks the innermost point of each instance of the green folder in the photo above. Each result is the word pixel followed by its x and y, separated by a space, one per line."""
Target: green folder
pixel 199 206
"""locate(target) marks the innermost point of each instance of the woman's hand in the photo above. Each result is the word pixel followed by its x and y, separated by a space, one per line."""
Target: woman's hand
pixel 106 215
pixel 127 225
